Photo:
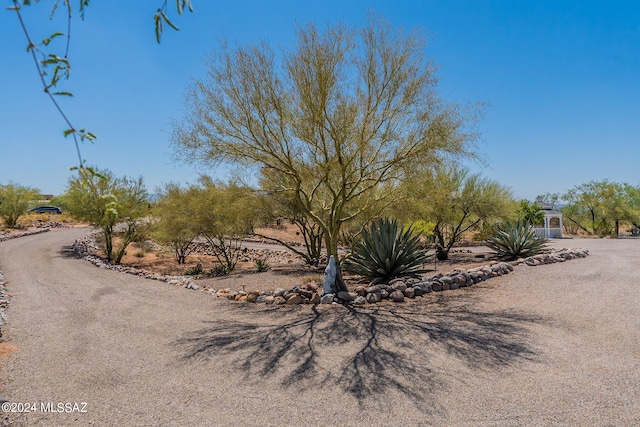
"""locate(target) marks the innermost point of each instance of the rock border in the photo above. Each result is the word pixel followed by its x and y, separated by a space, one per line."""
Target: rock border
pixel 23 234
pixel 4 303
pixel 84 248
pixel 398 290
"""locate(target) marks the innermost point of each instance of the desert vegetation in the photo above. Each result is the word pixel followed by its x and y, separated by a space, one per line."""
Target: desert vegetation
pixel 345 136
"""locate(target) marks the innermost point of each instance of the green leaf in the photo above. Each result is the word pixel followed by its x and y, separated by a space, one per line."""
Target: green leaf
pixel 51 37
pixel 69 132
pixel 166 19
pixel 158 22
pixel 63 93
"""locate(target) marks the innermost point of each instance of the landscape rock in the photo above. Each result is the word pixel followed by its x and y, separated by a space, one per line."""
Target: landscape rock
pixel 279 300
pixel 306 293
pixel 294 299
pixel 326 299
pixel 347 296
pixel 374 297
pixel 374 288
pixel 398 285
pixel 409 293
pixel 253 296
pixel 360 300
pixel 315 299
pixel 396 296
pixel 397 280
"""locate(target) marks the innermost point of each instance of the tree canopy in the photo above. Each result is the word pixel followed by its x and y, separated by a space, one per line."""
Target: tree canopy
pixel 106 201
pixel 340 117
pixel 14 202
pixel 455 201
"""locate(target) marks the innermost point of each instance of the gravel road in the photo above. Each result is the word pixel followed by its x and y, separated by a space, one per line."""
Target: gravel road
pixel 549 345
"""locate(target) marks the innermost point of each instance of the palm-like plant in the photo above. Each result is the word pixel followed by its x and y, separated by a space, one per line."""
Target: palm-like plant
pixel 513 241
pixel 386 252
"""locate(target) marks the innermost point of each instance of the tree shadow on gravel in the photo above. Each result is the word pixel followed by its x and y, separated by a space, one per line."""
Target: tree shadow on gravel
pixel 367 351
pixel 67 251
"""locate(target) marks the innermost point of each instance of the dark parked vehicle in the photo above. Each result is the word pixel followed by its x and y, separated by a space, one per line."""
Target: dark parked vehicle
pixel 46 209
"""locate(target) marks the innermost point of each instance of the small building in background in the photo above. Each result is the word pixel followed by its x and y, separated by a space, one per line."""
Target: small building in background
pixel 552 221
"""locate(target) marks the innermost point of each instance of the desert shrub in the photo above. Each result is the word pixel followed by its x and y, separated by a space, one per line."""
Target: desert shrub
pixel 194 271
pixel 219 270
pixel 515 240
pixel 261 265
pixel 14 202
pixel 386 252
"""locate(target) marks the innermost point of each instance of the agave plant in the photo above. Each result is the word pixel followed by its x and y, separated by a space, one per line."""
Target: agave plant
pixel 513 241
pixel 386 252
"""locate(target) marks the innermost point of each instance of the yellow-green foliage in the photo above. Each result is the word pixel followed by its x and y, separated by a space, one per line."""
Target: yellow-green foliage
pixel 14 202
pixel 422 227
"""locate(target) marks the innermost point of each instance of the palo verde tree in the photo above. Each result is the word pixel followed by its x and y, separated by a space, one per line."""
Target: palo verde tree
pixel 107 202
pixel 341 116
pixel 225 213
pixel 14 202
pixel 280 202
pixel 530 213
pixel 455 201
pixel 174 224
pixel 596 207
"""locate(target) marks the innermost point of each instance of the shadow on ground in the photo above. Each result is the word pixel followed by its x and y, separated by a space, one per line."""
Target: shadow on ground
pixel 68 251
pixel 367 351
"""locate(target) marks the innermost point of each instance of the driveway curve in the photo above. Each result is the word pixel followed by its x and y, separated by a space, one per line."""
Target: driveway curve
pixel 549 345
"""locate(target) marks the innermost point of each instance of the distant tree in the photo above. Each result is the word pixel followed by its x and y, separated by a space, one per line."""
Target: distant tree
pixel 631 196
pixel 456 202
pixel 343 115
pixel 114 205
pixel 281 203
pixel 530 213
pixel 174 224
pixel 226 213
pixel 596 207
pixel 14 201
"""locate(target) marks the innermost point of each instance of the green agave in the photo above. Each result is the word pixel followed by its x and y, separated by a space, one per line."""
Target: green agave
pixel 386 253
pixel 513 241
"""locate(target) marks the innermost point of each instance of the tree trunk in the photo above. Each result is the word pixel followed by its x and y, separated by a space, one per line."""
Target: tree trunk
pixel 108 243
pixel 442 253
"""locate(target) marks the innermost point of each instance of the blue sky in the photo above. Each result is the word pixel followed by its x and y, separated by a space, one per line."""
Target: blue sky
pixel 561 80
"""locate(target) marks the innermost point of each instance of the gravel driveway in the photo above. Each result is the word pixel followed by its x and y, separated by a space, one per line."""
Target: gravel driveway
pixel 549 345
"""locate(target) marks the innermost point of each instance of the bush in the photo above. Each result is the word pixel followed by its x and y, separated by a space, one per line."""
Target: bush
pixel 261 265
pixel 14 202
pixel 194 271
pixel 513 241
pixel 386 253
pixel 219 270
